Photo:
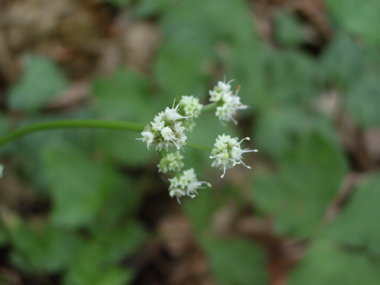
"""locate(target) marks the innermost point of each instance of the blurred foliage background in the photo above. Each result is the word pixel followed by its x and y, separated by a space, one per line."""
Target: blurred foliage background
pixel 89 207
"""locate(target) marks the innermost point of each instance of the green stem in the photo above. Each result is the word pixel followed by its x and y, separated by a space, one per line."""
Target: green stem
pixel 69 124
pixel 198 146
pixel 209 107
pixel 76 124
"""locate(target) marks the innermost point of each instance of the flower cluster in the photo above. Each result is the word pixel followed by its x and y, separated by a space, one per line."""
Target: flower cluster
pixel 228 102
pixel 185 184
pixel 227 153
pixel 192 109
pixel 171 162
pixel 165 130
pixel 168 130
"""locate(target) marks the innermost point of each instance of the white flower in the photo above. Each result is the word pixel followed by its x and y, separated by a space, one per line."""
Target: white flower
pixel 178 193
pixel 171 162
pixel 220 91
pixel 158 122
pixel 230 105
pixel 185 184
pixel 227 153
pixel 148 138
pixel 227 102
pixel 167 134
pixel 171 114
pixel 165 130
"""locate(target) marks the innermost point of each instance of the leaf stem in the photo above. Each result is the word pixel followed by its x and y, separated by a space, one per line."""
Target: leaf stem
pixel 69 124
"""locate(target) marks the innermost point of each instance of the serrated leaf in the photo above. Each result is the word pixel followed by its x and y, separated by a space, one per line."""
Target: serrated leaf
pixel 41 81
pixel 289 30
pixel 272 78
pixel 4 124
pixel 79 186
pixel 47 249
pixel 309 177
pixel 119 241
pixel 201 211
pixel 358 17
pixel 122 146
pixel 122 96
pixel 236 261
pixel 349 251
pixel 363 101
pixel 179 69
pixel 357 226
pixel 329 264
pixel 149 8
pixel 341 61
pixel 90 268
pixel 279 130
pixel 29 148
pixel 119 3
pixel 194 29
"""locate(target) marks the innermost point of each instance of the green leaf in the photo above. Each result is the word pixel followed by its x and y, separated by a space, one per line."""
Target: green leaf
pixel 90 268
pixel 358 17
pixel 180 69
pixel 236 261
pixel 122 96
pixel 363 101
pixel 149 8
pixel 198 32
pixel 79 186
pixel 201 211
pixel 181 63
pixel 342 61
pixel 278 130
pixel 329 264
pixel 349 251
pixel 5 124
pixel 119 241
pixel 115 276
pixel 122 147
pixel 357 227
pixel 122 202
pixel 289 31
pixel 272 78
pixel 308 178
pixel 47 249
pixel 29 149
pixel 41 81
pixel 119 3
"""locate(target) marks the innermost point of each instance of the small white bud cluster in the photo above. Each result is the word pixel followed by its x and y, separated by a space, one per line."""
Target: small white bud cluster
pixel 165 130
pixel 171 162
pixel 227 153
pixel 192 109
pixel 228 102
pixel 185 184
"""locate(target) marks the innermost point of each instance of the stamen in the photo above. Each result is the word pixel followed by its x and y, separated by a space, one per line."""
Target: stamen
pixel 245 139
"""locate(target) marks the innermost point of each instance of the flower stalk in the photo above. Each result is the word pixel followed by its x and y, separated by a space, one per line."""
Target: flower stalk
pixel 168 130
pixel 71 124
